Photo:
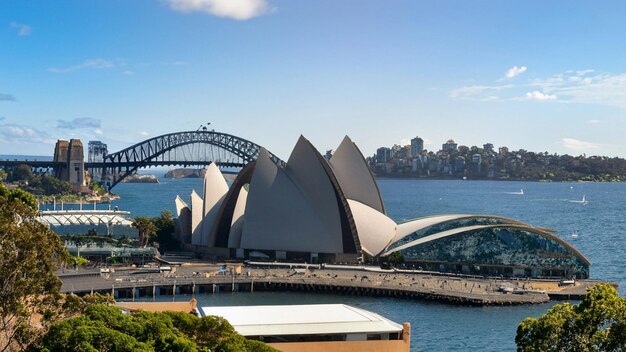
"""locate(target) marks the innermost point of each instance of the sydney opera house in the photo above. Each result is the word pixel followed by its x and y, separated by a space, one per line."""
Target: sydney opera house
pixel 317 210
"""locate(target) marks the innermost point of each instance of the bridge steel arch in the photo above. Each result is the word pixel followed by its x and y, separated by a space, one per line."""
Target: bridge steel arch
pixel 154 152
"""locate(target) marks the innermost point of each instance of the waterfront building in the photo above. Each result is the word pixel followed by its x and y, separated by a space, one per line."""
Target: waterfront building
pixel 417 145
pixel 96 150
pixel 313 210
pixel 486 245
pixel 383 155
pixel 316 327
pixel 477 160
pixel 449 146
pixel 110 223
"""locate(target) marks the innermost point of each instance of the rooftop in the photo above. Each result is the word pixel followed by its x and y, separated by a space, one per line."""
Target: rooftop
pixel 311 319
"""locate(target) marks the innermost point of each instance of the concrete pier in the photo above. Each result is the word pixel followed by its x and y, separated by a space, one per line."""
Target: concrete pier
pixel 351 281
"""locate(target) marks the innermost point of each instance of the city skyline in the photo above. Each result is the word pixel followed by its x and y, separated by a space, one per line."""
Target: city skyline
pixel 541 77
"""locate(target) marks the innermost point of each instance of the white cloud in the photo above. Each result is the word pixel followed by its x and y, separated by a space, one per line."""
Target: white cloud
pixel 128 73
pixel 144 133
pixel 584 72
pixel 537 95
pixel 22 29
pixel 97 64
pixel 478 92
pixel 236 9
pixel 604 89
pixel 515 71
pixel 17 134
pixel 570 87
pixel 593 121
pixel 578 145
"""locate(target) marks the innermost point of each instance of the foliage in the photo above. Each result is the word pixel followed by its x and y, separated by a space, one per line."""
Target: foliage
pixel 165 230
pixel 395 258
pixel 20 173
pixel 77 261
pixel 146 228
pixel 159 229
pixel 88 239
pixel 30 253
pixel 39 184
pixel 105 328
pixel 598 323
pixel 3 175
pixel 96 187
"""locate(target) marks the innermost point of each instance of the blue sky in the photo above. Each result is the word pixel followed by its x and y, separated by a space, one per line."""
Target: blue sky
pixel 539 75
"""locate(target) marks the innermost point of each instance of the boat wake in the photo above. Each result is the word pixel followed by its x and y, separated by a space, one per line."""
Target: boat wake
pixel 583 201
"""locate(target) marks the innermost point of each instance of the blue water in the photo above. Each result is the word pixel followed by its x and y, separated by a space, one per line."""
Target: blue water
pixel 600 225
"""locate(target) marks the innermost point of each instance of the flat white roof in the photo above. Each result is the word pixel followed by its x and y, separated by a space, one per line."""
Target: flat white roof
pixel 310 319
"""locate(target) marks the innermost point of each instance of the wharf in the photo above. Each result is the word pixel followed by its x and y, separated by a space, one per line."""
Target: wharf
pixel 197 278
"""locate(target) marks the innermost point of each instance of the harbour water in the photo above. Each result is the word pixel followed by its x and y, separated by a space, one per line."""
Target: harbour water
pixel 600 226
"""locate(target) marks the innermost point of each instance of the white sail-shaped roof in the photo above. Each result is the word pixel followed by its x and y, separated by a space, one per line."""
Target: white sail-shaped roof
pixel 182 217
pixel 180 205
pixel 354 176
pixel 236 227
pixel 375 229
pixel 215 188
pixel 196 218
pixel 280 215
pixel 306 170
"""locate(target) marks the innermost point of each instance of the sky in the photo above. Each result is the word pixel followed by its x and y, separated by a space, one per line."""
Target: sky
pixel 535 75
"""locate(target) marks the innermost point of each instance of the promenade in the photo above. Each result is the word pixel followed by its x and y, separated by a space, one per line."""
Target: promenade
pixel 142 283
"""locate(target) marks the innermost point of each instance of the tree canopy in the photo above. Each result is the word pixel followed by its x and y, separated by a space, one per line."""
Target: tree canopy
pixel 106 328
pixel 146 228
pixel 30 253
pixel 598 323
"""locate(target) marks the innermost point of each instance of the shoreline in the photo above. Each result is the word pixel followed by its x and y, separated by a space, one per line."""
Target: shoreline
pixel 388 177
pixel 135 283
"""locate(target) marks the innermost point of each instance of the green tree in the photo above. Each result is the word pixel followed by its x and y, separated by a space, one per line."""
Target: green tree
pixel 30 253
pixel 53 186
pixel 105 328
pixel 146 228
pixel 165 230
pixel 395 258
pixel 598 323
pixel 21 172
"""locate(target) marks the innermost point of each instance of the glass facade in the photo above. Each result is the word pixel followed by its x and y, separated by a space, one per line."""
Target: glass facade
pixel 498 251
pixel 448 225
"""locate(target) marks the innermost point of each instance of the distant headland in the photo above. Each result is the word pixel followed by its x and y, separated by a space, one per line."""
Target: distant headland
pixel 455 161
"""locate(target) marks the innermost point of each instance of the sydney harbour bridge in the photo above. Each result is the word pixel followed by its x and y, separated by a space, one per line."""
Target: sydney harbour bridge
pixel 189 148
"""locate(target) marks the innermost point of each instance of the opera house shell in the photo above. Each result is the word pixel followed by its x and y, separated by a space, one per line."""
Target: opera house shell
pixel 317 210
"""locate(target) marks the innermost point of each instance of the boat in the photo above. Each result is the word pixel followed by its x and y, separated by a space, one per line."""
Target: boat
pixel 574 234
pixel 520 193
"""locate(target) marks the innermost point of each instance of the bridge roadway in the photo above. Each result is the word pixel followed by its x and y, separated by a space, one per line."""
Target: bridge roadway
pixel 32 163
pixel 456 290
